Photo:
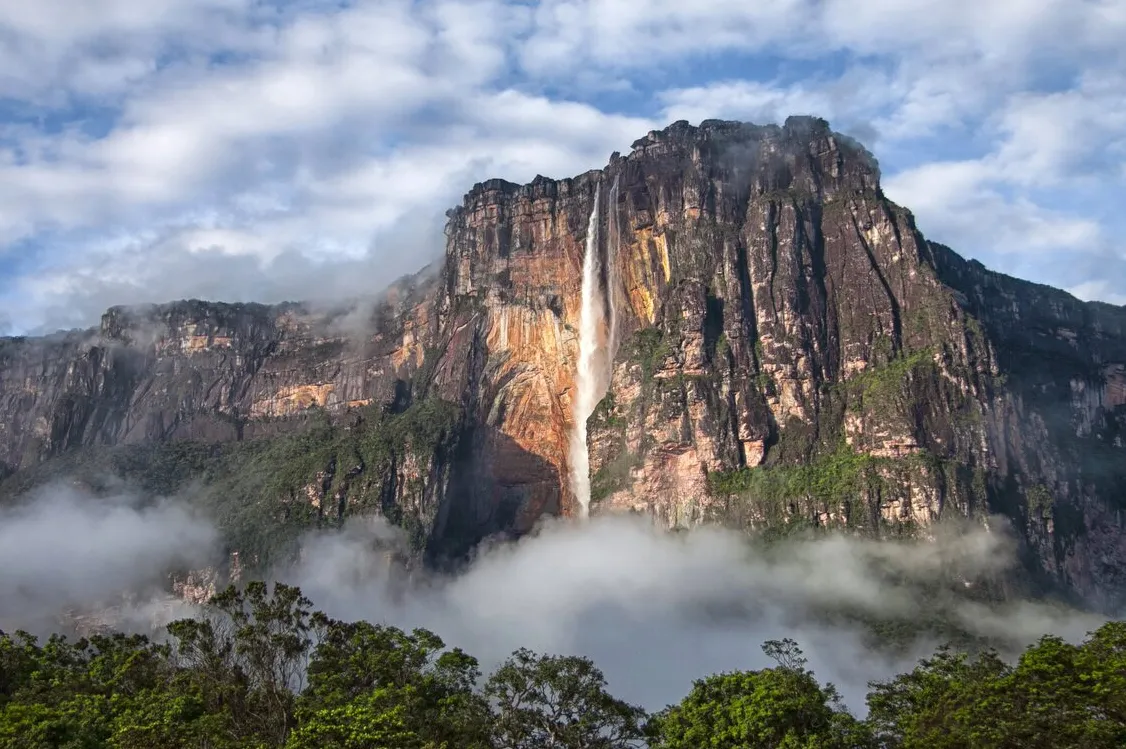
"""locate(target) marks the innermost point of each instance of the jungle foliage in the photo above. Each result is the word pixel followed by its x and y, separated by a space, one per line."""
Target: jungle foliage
pixel 262 669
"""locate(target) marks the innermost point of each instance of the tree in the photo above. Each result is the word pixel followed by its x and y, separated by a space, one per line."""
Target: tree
pixel 376 686
pixel 1103 660
pixel 377 719
pixel 775 707
pixel 247 657
pixel 66 694
pixel 18 657
pixel 174 716
pixel 1057 695
pixel 261 670
pixel 939 703
pixel 558 702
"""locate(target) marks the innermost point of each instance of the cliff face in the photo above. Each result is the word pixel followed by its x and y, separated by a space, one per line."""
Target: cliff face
pixel 783 349
pixel 199 371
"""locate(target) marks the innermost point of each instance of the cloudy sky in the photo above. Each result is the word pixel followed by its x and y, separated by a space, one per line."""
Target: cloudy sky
pixel 271 149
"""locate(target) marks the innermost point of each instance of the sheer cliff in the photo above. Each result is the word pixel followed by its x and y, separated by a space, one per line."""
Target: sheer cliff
pixel 782 349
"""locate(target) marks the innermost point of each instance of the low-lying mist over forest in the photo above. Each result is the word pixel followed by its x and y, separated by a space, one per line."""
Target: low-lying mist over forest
pixel 655 609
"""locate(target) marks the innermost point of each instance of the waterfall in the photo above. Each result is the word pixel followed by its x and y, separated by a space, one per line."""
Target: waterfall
pixel 586 376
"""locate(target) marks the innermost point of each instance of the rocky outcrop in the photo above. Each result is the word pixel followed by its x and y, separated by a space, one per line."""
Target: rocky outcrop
pixel 787 351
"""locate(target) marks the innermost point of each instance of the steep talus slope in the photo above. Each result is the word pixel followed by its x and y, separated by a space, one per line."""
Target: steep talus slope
pixel 785 351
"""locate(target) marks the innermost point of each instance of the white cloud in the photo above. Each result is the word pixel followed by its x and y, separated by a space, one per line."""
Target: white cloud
pixel 1099 290
pixel 1012 29
pixel 56 50
pixel 959 203
pixel 141 132
pixel 1063 136
pixel 1039 190
pixel 569 35
pixel 995 34
pixel 654 610
pixel 287 151
pixel 96 19
pixel 852 101
pixel 357 228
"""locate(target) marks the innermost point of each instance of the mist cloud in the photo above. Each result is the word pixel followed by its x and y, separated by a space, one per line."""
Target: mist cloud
pixel 656 610
pixel 66 551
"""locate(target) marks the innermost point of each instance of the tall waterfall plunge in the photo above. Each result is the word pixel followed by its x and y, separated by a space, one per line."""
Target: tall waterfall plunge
pixel 596 344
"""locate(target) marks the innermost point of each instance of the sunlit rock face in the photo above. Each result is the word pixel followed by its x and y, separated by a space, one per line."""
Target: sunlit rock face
pixel 789 351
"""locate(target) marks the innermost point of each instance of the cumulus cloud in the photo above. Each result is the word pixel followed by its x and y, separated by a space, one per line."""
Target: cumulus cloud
pixel 141 137
pixel 956 199
pixel 1040 202
pixel 1064 137
pixel 65 551
pixel 348 232
pixel 104 46
pixel 850 101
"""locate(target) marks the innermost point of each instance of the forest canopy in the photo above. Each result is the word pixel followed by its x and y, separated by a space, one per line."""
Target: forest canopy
pixel 262 669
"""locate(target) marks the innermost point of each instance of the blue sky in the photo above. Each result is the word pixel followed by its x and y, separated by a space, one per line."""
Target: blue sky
pixel 257 150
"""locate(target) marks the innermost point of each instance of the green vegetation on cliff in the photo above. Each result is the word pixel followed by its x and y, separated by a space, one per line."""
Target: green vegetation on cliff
pixel 839 475
pixel 881 383
pixel 850 486
pixel 783 495
pixel 263 670
pixel 649 349
pixel 264 493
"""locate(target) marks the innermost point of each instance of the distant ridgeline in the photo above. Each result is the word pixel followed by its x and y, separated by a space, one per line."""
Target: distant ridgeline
pixel 775 345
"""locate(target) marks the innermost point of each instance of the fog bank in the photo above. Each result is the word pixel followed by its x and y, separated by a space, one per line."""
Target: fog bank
pixel 65 552
pixel 654 609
